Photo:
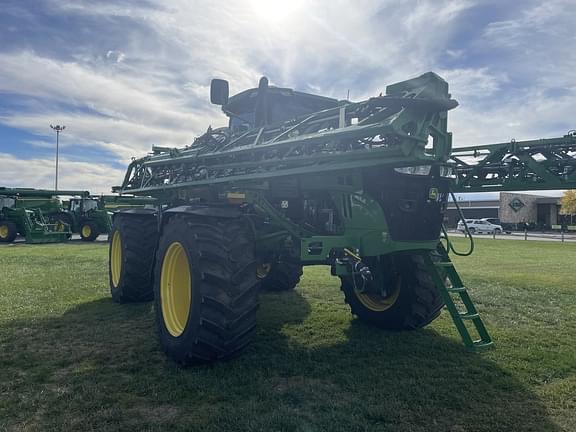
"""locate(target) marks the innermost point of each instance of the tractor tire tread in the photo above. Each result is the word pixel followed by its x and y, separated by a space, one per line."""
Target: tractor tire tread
pixel 139 243
pixel 284 276
pixel 228 288
pixel 425 303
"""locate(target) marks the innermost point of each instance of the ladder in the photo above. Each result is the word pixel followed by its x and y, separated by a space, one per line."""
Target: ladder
pixel 450 285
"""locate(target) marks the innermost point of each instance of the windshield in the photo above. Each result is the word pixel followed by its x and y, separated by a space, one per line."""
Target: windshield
pixel 74 204
pixel 6 202
pixel 242 122
pixel 90 205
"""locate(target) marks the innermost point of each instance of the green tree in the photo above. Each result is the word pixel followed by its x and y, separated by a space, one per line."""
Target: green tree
pixel 568 203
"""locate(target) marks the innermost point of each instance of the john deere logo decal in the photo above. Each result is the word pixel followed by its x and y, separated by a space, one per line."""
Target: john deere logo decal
pixel 516 204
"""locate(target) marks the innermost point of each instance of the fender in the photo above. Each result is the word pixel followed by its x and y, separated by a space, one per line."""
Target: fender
pixel 213 211
pixel 136 212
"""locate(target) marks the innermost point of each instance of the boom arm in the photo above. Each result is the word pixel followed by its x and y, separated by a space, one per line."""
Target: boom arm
pixel 37 193
pixel 543 164
pixel 390 129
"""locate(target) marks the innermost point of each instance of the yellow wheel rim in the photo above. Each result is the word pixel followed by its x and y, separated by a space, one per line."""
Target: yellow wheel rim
pixel 86 231
pixel 3 231
pixel 116 258
pixel 377 302
pixel 262 270
pixel 175 289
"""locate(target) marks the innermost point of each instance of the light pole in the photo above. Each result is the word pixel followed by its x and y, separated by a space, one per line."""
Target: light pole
pixel 58 129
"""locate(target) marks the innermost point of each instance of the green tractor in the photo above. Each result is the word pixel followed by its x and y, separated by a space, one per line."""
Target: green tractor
pixel 293 180
pixel 23 212
pixel 81 213
pixel 86 216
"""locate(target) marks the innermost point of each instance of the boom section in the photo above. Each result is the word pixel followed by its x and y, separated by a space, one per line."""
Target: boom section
pixel 38 193
pixel 543 164
pixel 407 126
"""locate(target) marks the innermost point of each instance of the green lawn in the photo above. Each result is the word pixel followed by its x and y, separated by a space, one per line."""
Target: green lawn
pixel 70 359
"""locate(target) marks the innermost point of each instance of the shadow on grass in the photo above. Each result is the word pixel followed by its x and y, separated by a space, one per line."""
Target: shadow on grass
pixel 99 366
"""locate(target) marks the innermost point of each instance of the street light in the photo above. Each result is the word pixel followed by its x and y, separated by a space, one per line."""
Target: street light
pixel 58 129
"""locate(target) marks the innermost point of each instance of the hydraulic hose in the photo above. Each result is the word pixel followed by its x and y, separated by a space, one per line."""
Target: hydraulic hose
pixel 449 245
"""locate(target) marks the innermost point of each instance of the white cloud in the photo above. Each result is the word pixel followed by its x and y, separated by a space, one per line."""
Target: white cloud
pixel 115 56
pixel 72 175
pixel 150 84
pixel 479 83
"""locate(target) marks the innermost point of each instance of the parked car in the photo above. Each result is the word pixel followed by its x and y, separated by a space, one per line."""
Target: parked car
pixel 506 227
pixel 479 226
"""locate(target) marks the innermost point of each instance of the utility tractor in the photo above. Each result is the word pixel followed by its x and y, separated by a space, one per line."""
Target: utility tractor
pixel 23 211
pixel 86 216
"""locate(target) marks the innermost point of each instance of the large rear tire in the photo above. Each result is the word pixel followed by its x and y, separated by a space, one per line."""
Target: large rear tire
pixel 410 299
pixel 8 231
pixel 133 241
pixel 282 276
pixel 206 289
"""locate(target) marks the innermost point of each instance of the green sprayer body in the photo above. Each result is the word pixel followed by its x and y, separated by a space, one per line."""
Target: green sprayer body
pixel 294 179
pixel 318 174
pixel 297 179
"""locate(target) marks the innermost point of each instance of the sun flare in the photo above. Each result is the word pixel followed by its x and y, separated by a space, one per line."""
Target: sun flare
pixel 275 10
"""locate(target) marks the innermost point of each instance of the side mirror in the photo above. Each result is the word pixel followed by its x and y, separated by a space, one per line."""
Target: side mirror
pixel 219 92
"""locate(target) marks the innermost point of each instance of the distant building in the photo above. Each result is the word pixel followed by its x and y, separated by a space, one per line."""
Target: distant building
pixel 538 212
pixel 471 210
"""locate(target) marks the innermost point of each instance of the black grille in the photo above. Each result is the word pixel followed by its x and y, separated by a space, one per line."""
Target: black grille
pixel 411 212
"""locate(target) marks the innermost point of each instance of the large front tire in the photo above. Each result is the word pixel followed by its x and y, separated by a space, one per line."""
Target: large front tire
pixel 205 287
pixel 131 257
pixel 409 300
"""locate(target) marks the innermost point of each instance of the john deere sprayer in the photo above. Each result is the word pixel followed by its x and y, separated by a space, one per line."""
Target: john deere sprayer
pixel 293 180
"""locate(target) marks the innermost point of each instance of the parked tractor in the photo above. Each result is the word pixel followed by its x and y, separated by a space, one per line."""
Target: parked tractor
pixel 23 212
pixel 294 179
pixel 86 216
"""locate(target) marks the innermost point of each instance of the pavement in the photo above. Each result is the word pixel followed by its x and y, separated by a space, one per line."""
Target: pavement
pixel 531 235
pixel 103 238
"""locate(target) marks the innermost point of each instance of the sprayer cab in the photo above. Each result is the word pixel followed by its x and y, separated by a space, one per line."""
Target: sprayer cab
pixel 265 104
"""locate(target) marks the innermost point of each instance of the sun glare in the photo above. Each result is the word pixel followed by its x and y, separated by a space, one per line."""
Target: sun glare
pixel 274 11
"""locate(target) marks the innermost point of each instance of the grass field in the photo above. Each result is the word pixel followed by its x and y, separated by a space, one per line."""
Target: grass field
pixel 70 359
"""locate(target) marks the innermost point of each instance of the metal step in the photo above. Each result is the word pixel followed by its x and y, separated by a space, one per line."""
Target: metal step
pixel 456 287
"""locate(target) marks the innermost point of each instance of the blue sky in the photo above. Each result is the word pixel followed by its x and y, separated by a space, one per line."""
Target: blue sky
pixel 124 75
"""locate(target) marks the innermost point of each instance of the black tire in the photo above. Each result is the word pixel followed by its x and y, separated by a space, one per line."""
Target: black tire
pixel 89 231
pixel 133 240
pixel 8 231
pixel 221 294
pixel 413 301
pixel 498 231
pixel 283 276
pixel 472 230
